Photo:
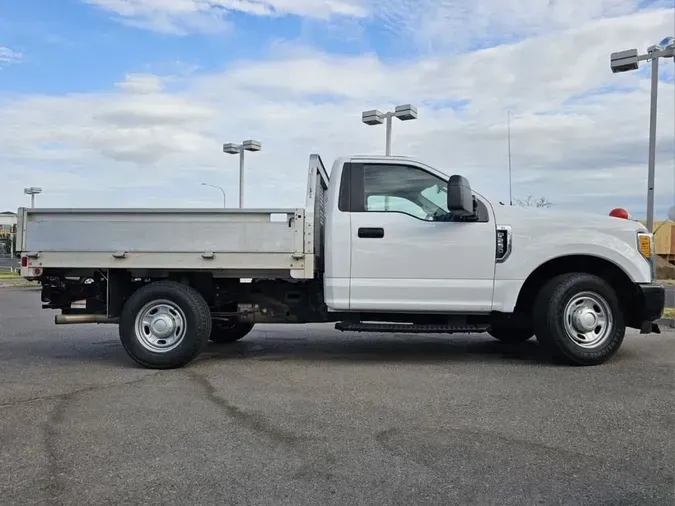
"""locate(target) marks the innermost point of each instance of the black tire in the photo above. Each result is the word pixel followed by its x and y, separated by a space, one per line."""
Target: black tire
pixel 511 335
pixel 191 336
pixel 229 331
pixel 551 323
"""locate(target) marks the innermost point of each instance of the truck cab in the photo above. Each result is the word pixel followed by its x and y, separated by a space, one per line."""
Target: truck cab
pixel 398 241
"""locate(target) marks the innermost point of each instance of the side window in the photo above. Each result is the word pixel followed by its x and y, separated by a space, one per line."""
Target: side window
pixel 398 188
pixel 404 189
pixel 394 204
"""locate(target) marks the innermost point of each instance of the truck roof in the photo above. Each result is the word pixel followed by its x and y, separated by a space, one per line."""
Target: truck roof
pixel 375 158
pixel 383 158
pixel 392 159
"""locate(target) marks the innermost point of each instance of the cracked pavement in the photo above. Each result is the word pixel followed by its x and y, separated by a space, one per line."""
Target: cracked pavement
pixel 306 415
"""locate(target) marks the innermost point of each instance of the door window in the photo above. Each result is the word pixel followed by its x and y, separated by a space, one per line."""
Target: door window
pixel 381 203
pixel 404 189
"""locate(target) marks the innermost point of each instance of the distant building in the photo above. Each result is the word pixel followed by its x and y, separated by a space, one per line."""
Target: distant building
pixel 664 240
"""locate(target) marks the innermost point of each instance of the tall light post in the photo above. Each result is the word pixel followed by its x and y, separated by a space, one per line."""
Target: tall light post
pixel 625 61
pixel 32 191
pixel 234 149
pixel 219 188
pixel 403 112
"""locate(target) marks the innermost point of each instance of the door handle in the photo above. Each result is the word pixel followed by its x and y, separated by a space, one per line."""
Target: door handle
pixel 371 233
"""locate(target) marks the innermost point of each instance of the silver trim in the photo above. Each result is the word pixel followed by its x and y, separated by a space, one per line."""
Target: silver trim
pixel 509 242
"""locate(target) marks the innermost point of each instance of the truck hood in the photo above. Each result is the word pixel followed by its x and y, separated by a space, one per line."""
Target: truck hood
pixel 549 220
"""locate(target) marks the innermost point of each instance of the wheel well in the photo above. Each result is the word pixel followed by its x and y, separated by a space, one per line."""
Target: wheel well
pixel 610 272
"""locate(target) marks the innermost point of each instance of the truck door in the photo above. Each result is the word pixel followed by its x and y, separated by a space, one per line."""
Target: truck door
pixel 402 257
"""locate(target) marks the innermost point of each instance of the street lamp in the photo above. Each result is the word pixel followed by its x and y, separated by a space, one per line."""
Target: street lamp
pixel 403 112
pixel 625 61
pixel 233 149
pixel 32 191
pixel 218 187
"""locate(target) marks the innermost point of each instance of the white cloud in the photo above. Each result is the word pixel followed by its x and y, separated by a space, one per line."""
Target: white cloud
pixel 8 56
pixel 181 16
pixel 427 25
pixel 576 139
pixel 456 24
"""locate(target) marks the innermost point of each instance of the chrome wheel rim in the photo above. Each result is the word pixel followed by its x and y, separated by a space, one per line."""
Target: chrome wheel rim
pixel 588 320
pixel 160 326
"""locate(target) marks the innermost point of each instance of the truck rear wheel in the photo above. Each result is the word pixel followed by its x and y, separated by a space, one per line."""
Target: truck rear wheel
pixel 226 331
pixel 165 325
pixel 578 318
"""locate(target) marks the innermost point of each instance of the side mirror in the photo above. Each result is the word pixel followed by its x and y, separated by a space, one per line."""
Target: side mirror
pixel 460 197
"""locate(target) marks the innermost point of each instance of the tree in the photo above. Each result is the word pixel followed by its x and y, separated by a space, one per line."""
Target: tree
pixel 531 201
pixel 8 246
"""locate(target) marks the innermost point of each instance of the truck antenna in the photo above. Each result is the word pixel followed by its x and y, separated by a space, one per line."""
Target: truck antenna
pixel 508 128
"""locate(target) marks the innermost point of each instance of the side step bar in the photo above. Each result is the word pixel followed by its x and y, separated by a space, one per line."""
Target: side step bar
pixel 407 328
pixel 72 319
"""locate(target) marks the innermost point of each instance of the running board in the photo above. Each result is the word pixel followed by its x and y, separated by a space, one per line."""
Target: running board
pixel 407 328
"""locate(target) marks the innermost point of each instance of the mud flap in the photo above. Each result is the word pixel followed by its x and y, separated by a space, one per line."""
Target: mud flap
pixel 650 328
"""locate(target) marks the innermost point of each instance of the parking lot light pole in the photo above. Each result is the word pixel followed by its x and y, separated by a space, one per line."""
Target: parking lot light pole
pixel 403 112
pixel 234 149
pixel 32 191
pixel 626 61
pixel 219 188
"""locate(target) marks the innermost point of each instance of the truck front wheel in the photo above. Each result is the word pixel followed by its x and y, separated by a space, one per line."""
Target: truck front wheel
pixel 226 331
pixel 578 318
pixel 165 325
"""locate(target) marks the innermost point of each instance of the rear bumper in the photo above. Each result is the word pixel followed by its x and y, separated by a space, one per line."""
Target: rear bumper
pixel 649 307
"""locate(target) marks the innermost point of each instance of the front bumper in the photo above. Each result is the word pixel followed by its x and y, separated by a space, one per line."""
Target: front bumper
pixel 649 307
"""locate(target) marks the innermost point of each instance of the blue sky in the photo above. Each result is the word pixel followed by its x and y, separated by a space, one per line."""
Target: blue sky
pixel 68 36
pixel 126 102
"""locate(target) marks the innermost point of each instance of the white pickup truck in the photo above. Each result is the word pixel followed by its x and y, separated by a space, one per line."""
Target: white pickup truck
pixel 387 244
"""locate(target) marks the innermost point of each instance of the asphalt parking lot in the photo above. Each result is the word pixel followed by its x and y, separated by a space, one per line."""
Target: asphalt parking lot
pixel 305 415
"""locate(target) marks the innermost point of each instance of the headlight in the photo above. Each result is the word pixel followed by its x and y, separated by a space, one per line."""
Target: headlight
pixel 645 244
